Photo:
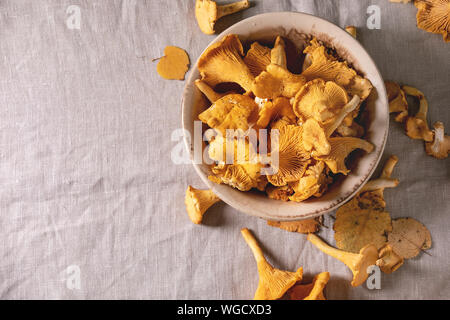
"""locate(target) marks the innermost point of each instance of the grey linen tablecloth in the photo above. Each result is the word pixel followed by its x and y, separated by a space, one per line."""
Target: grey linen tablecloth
pixel 88 190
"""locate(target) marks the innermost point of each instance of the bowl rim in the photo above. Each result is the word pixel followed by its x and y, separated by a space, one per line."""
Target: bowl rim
pixel 229 200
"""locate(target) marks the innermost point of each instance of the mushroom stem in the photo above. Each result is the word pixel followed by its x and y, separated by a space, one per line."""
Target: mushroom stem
pixel 208 91
pixel 340 255
pixel 389 167
pixel 380 183
pixel 253 244
pixel 349 107
pixel 231 8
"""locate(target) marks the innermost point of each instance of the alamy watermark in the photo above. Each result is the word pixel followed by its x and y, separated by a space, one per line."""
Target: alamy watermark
pixel 235 147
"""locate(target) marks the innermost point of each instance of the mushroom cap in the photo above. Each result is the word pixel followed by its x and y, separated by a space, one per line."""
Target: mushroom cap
pixel 309 184
pixel 292 158
pixel 222 62
pixel 388 260
pixel 232 150
pixel 233 111
pixel 319 100
pixel 418 129
pixel 367 257
pixel 319 283
pixel 279 193
pixel 206 14
pixel 257 58
pixel 310 291
pixel 314 138
pixel 197 202
pixel 434 16
pixel 277 81
pixel 240 176
pixel 328 68
pixel 397 100
pixel 340 149
pixel 279 108
pixel 273 283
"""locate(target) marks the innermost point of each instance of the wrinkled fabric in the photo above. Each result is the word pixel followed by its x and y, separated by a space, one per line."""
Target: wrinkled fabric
pixel 87 185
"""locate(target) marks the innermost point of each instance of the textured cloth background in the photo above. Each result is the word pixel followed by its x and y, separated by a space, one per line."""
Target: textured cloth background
pixel 86 179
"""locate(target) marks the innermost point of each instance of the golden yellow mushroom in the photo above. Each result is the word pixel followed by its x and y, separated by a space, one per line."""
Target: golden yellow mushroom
pixel 376 187
pixel 434 16
pixel 310 291
pixel 278 53
pixel 209 92
pixel 273 283
pixel 233 111
pixel 357 262
pixel 257 58
pixel 277 81
pixel 208 12
pixel 197 202
pixel 292 158
pixel 326 67
pixel 313 183
pixel 397 101
pixel 417 126
pixel 279 108
pixel 340 149
pixel 222 62
pixel 319 100
pixel 388 260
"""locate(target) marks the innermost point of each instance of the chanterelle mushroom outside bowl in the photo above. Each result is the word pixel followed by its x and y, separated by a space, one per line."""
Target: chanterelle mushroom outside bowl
pixel 295 26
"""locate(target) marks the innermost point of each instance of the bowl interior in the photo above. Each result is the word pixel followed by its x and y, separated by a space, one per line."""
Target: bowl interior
pixel 296 26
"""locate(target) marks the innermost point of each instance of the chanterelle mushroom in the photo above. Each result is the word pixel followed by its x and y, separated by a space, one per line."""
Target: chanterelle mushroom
pixel 357 262
pixel 197 202
pixel 273 283
pixel 340 149
pixel 208 12
pixel 372 194
pixel 440 147
pixel 434 16
pixel 310 291
pixel 222 62
pixel 233 111
pixel 279 108
pixel 311 183
pixel 388 260
pixel 277 81
pixel 326 67
pixel 278 53
pixel 319 100
pixel 257 58
pixel 209 92
pixel 292 158
pixel 397 101
pixel 417 126
pixel 314 138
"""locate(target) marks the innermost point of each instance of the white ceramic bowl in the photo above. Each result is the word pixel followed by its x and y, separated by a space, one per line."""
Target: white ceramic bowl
pixel 293 24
